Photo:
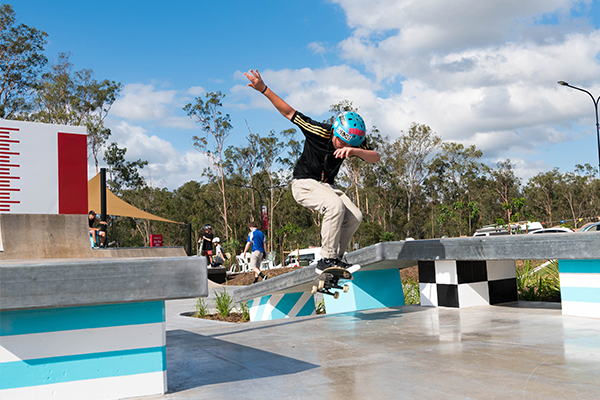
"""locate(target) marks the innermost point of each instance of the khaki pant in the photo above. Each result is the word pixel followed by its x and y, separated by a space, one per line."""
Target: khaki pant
pixel 256 259
pixel 341 218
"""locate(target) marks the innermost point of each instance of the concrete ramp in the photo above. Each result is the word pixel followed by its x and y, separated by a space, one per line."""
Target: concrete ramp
pixel 456 272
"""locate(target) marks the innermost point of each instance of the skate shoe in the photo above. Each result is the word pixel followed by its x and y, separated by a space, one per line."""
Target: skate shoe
pixel 323 264
pixel 348 267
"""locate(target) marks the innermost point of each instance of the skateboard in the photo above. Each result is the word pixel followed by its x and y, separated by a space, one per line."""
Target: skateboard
pixel 331 278
pixel 200 246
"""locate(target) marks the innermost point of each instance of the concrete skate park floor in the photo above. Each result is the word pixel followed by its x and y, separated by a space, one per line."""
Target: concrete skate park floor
pixel 519 350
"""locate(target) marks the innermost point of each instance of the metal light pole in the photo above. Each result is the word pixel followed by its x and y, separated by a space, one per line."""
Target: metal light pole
pixel 596 108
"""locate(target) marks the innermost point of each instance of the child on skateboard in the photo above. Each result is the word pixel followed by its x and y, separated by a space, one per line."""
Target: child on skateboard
pixel 325 148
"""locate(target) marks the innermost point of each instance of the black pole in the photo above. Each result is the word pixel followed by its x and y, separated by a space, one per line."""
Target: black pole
pixel 189 239
pixel 596 108
pixel 597 133
pixel 103 201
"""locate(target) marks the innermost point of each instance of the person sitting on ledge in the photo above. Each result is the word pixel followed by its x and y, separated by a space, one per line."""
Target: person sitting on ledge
pixel 95 231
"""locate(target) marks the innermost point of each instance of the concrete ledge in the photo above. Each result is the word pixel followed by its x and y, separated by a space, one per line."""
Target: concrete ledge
pixel 517 247
pixel 69 282
pixel 404 254
pixel 123 252
pixel 296 281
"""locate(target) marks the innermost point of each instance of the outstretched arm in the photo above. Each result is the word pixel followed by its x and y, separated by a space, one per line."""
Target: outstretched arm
pixel 257 83
pixel 370 156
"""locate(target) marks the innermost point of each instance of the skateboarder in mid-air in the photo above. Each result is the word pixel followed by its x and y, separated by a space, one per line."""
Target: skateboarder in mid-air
pixel 325 148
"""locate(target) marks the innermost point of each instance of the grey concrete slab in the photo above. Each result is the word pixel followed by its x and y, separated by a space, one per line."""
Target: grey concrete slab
pixel 56 236
pixel 33 236
pixel 63 283
pixel 521 350
pixel 404 254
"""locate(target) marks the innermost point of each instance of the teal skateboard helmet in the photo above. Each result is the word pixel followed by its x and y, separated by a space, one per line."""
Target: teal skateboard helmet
pixel 350 128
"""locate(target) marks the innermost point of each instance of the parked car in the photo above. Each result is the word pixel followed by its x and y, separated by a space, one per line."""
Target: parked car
pixel 591 227
pixel 556 229
pixel 515 228
pixel 301 258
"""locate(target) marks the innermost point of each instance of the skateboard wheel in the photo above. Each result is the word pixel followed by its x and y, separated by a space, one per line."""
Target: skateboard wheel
pixel 336 295
pixel 345 289
pixel 314 289
pixel 321 285
pixel 346 275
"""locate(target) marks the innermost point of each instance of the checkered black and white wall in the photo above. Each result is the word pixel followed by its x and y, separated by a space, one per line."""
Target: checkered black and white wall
pixel 462 284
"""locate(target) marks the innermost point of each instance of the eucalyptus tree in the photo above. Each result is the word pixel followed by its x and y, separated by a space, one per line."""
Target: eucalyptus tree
pixel 68 97
pixel 21 63
pixel 216 126
pixel 574 195
pixel 458 169
pixel 241 162
pixel 123 174
pixel 543 191
pixel 592 190
pixel 270 147
pixel 506 187
pixel 411 152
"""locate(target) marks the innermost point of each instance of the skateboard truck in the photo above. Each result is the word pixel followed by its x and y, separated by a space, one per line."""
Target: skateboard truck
pixel 331 281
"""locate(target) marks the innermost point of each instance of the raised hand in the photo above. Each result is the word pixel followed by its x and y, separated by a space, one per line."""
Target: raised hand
pixel 256 81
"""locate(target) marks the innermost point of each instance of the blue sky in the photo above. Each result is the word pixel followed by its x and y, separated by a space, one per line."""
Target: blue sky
pixel 480 73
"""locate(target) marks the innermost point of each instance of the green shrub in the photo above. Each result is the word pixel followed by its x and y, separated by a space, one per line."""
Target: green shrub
pixel 201 309
pixel 543 285
pixel 224 303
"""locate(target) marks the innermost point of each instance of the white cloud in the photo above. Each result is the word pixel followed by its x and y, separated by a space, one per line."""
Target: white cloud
pixel 196 91
pixel 313 91
pixel 316 47
pixel 167 166
pixel 141 102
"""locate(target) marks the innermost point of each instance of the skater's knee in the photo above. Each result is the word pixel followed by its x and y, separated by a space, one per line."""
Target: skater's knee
pixel 359 217
pixel 333 207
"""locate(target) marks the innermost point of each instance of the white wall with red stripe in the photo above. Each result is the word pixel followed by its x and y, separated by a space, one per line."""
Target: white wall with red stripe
pixel 43 168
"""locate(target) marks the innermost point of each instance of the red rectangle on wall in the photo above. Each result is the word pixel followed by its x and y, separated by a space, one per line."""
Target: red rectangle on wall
pixel 156 240
pixel 72 173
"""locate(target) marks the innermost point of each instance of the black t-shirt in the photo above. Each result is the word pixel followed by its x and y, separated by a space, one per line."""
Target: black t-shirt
pixel 94 223
pixel 317 160
pixel 207 244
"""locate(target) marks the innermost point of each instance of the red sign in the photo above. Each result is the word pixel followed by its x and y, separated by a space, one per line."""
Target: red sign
pixel 264 217
pixel 156 240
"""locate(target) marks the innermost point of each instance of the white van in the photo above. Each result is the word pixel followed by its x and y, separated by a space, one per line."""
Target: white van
pixel 301 257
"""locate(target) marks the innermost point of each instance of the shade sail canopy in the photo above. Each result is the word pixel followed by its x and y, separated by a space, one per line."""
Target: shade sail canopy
pixel 114 205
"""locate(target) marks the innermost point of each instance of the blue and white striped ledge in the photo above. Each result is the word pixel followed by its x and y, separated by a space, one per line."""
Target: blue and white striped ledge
pixel 580 287
pixel 278 306
pixel 92 352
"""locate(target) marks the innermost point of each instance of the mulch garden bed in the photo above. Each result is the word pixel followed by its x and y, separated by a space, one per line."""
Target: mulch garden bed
pixel 232 317
pixel 247 278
